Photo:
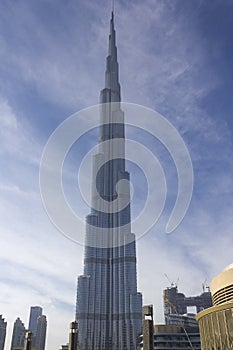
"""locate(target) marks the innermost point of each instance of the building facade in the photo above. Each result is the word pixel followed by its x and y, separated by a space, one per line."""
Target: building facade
pixel 18 335
pixel 41 329
pixel 28 341
pixel 35 312
pixel 3 325
pixel 181 330
pixel 73 336
pixel 186 320
pixel 177 303
pixel 109 308
pixel 181 333
pixel 172 337
pixel 147 328
pixel 216 322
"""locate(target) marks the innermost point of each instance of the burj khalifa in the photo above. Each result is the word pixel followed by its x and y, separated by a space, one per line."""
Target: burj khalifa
pixel 109 307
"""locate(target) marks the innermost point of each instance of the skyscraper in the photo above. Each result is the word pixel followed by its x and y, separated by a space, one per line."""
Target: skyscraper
pixel 35 312
pixel 41 328
pixel 3 325
pixel 109 308
pixel 18 335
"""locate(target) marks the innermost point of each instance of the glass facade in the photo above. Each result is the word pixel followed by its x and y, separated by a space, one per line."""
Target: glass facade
pixel 109 308
pixel 174 337
pixel 41 332
pixel 18 334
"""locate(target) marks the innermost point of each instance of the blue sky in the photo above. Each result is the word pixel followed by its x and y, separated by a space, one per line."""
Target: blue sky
pixel 175 57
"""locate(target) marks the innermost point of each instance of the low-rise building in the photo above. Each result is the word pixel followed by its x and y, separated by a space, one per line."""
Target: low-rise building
pixel 216 322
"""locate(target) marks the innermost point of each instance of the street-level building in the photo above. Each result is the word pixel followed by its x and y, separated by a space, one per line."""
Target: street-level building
pixel 216 322
pixel 174 337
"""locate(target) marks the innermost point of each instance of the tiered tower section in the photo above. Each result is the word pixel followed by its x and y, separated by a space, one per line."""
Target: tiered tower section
pixel 109 308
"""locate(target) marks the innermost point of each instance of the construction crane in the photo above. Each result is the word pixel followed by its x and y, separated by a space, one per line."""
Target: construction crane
pixel 182 325
pixel 205 286
pixel 172 283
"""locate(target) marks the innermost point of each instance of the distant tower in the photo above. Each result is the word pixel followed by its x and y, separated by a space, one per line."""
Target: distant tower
pixel 3 325
pixel 18 335
pixel 41 332
pixel 35 312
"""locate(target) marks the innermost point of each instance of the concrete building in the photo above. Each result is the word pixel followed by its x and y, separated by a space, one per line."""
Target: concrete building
pixel 177 303
pixel 64 347
pixel 41 332
pixel 109 307
pixel 3 325
pixel 174 337
pixel 216 322
pixel 18 335
pixel 186 320
pixel 148 327
pixel 28 341
pixel 182 333
pixel 73 336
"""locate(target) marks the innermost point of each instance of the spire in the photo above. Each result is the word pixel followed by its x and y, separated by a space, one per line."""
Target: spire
pixel 112 38
pixel 108 304
pixel 111 92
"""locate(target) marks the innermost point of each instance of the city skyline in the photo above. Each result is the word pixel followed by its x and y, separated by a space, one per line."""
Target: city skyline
pixel 172 59
pixel 37 325
pixel 18 334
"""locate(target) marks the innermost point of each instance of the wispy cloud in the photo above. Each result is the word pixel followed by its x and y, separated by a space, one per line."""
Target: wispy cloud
pixel 52 63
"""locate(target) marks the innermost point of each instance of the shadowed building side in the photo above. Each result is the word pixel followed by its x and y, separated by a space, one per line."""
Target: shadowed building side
pixel 148 327
pixel 73 336
pixel 35 312
pixel 28 341
pixel 18 335
pixel 3 325
pixel 41 332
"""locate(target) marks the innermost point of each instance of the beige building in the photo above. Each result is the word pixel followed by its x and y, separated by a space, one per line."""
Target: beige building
pixel 216 322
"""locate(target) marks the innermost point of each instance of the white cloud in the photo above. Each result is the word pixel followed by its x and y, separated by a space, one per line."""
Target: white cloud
pixel 162 65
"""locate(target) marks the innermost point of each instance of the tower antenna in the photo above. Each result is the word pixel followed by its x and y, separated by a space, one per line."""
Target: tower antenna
pixel 113 3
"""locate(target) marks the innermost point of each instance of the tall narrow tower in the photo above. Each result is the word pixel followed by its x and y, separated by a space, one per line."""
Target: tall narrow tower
pixel 35 312
pixel 41 332
pixel 109 308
